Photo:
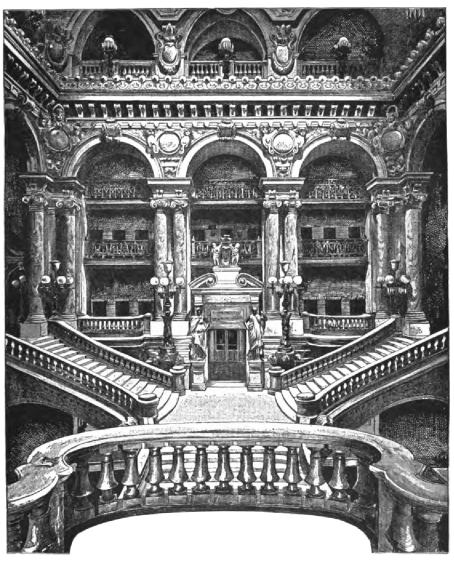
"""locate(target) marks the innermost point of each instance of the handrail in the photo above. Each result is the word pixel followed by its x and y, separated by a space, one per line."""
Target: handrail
pixel 390 365
pixel 226 472
pixel 112 356
pixel 311 368
pixel 89 382
pixel 321 322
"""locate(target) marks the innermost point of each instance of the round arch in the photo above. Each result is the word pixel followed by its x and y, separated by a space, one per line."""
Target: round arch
pixel 83 22
pixel 36 161
pixel 422 136
pixel 325 145
pixel 211 146
pixel 73 164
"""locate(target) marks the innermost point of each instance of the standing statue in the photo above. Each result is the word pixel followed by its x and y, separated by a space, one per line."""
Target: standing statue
pixel 235 254
pixel 256 324
pixel 197 330
pixel 215 251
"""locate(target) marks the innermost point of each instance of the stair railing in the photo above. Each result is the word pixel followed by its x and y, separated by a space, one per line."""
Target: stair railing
pixel 274 467
pixel 283 379
pixel 172 380
pixel 108 325
pixel 119 400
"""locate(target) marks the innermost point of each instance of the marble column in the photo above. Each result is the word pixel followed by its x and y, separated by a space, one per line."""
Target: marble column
pixel 271 249
pixel 160 238
pixel 180 257
pixel 82 296
pixel 35 325
pixel 291 241
pixel 68 206
pixel 51 231
pixel 382 224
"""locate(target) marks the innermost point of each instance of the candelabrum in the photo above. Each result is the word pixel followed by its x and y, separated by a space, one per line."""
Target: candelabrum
pixel 285 288
pixel 19 284
pixel 54 289
pixel 396 287
pixel 166 289
pixel 109 49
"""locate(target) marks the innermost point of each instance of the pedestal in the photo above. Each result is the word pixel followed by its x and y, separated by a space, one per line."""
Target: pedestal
pixel 415 324
pixel 33 330
pixel 255 375
pixel 199 376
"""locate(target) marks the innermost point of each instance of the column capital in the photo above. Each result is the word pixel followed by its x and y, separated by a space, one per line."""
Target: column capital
pixel 170 203
pixel 282 185
pixel 36 182
pixel 170 187
pixel 292 202
pixel 271 202
pixel 37 200
pixel 409 189
pixel 69 185
pixel 68 204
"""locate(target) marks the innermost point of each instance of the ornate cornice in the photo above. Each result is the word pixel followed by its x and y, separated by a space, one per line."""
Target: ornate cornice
pixel 409 190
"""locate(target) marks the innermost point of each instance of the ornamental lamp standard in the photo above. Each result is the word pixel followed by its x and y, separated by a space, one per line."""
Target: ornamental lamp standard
pixel 167 289
pixel 285 288
pixel 109 49
pixel 54 288
pixel 396 287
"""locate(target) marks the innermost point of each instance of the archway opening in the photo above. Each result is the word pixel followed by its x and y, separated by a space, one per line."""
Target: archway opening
pixel 331 232
pixel 359 52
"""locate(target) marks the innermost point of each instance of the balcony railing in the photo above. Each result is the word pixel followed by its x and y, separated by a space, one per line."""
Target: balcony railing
pixel 328 68
pixel 228 190
pixel 339 356
pixel 213 69
pixel 117 190
pixel 314 323
pixel 69 484
pixel 121 68
pixel 332 248
pixel 108 249
pixel 120 325
pixel 249 249
pixel 334 189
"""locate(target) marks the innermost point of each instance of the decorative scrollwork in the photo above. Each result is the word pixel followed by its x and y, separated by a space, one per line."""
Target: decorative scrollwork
pixel 169 49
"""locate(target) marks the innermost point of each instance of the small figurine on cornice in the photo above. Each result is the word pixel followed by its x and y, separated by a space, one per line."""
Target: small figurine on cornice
pixel 283 54
pixel 225 254
pixel 169 51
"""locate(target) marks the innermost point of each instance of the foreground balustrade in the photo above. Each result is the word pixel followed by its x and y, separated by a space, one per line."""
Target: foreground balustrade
pixel 283 379
pixel 78 481
pixel 121 325
pixel 314 324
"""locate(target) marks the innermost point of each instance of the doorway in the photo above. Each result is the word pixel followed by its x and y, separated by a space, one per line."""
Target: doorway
pixel 227 355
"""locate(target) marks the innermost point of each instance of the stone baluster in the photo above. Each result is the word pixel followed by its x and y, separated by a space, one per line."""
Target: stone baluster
pixel 69 207
pixel 292 475
pixel 401 529
pixel 35 325
pixel 106 483
pixel 201 474
pixel 271 247
pixel 338 482
pixel 315 477
pixel 155 473
pixel 304 464
pixel 38 534
pixel 246 474
pixel 223 472
pixel 82 488
pixel 365 484
pixel 269 474
pixel 16 538
pixel 178 475
pixel 179 257
pixel 130 477
pixel 429 535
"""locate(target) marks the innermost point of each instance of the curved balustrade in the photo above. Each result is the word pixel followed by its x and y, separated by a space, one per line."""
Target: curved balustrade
pixel 314 323
pixel 339 356
pixel 249 249
pixel 119 400
pixel 69 484
pixel 114 357
pixel 108 249
pixel 387 367
pixel 332 248
pixel 122 325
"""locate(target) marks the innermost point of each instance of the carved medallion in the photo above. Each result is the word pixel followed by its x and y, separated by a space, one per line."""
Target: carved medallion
pixel 283 54
pixel 169 52
pixel 169 142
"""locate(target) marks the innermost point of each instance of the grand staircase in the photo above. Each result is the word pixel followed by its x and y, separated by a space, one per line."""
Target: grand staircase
pixel 322 374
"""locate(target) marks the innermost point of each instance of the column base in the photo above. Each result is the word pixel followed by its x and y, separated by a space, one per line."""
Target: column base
pixel 33 330
pixel 69 319
pixel 416 325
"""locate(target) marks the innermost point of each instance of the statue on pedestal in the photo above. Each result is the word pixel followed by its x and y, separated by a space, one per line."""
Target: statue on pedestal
pixel 256 324
pixel 197 330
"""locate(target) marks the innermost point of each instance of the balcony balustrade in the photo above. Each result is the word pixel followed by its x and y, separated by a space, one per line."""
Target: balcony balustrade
pixel 249 249
pixel 213 69
pixel 346 325
pixel 332 248
pixel 119 325
pixel 121 68
pixel 328 68
pixel 77 481
pixel 334 189
pixel 108 249
pixel 228 190
pixel 117 190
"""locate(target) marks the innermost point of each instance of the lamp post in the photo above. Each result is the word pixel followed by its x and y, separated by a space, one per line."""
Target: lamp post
pixel 166 289
pixel 285 288
pixel 397 288
pixel 109 49
pixel 54 288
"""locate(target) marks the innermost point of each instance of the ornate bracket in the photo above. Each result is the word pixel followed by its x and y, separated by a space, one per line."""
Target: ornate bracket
pixel 169 49
pixel 283 54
